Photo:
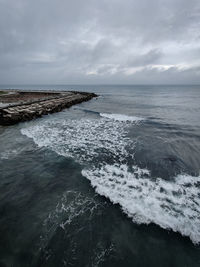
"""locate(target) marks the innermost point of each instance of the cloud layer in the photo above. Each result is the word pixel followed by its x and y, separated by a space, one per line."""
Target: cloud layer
pixel 92 41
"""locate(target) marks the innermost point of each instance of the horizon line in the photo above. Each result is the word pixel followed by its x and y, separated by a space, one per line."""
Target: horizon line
pixel 106 84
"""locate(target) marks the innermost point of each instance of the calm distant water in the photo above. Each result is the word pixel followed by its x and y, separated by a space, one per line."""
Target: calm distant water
pixel 110 182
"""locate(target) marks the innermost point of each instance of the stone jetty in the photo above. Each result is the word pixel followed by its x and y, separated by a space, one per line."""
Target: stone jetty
pixel 21 106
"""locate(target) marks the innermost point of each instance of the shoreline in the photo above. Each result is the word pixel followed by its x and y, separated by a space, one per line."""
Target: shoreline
pixel 18 106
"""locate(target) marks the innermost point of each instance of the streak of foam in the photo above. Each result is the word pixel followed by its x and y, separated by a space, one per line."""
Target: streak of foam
pixel 172 205
pixel 71 206
pixel 100 254
pixel 121 117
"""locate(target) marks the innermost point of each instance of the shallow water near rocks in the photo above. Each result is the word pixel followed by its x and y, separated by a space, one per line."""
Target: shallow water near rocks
pixel 110 182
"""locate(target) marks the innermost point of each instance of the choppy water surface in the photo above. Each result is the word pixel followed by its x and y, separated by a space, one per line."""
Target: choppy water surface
pixel 110 182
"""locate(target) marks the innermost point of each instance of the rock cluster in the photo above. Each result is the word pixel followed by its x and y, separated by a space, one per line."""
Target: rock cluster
pixel 29 110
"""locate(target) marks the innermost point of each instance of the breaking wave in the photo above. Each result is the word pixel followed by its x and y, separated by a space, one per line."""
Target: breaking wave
pixel 171 205
pixel 103 146
pixel 121 117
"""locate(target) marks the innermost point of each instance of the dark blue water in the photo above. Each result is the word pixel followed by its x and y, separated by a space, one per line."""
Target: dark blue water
pixel 110 182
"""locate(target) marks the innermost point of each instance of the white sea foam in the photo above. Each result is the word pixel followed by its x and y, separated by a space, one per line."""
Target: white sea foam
pixel 94 142
pixel 172 205
pixel 83 140
pixel 121 117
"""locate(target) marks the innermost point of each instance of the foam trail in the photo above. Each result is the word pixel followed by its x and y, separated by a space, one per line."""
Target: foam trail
pixel 121 117
pixel 71 205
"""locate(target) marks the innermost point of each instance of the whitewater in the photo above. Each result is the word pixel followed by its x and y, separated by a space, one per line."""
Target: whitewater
pixel 103 147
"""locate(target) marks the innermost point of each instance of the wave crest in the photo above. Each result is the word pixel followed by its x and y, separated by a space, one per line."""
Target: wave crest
pixel 169 204
pixel 121 117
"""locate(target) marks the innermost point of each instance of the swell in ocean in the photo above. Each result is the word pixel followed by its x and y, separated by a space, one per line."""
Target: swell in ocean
pixel 104 148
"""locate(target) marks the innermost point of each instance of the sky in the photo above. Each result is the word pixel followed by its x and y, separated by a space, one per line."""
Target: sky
pixel 100 42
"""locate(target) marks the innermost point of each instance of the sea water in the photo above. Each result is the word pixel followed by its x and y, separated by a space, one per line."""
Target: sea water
pixel 110 182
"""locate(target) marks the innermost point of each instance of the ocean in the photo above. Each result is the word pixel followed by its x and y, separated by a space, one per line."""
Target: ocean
pixel 110 182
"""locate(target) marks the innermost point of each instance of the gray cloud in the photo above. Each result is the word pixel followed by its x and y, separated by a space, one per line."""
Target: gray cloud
pixel 92 41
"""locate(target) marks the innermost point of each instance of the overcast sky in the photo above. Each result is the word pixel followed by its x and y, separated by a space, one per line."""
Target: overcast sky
pixel 99 41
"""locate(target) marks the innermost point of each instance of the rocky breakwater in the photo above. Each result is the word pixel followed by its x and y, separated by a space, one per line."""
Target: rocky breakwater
pixel 24 111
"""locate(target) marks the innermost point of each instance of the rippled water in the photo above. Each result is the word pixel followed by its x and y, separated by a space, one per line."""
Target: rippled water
pixel 110 182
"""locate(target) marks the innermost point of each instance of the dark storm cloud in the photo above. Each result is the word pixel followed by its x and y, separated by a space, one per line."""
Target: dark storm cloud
pixel 92 41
